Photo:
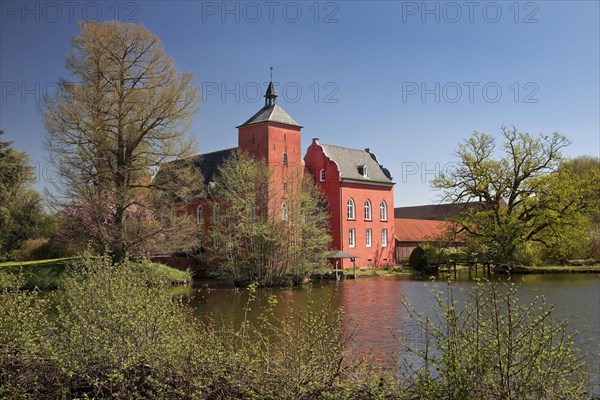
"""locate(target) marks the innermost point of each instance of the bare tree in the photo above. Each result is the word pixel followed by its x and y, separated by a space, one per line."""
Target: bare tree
pixel 125 113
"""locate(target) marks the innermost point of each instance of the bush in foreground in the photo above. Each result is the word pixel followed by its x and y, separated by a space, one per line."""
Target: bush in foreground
pixel 490 346
pixel 110 332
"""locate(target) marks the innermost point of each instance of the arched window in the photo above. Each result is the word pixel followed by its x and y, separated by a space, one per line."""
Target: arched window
pixel 199 216
pixel 322 175
pixel 285 160
pixel 368 210
pixel 215 214
pixel 284 212
pixel 383 210
pixel 351 214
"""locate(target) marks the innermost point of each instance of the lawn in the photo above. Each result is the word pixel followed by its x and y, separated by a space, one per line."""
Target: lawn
pixel 381 272
pixel 50 274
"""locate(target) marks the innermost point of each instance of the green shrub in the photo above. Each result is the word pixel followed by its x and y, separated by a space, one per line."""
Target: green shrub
pixel 119 336
pixel 23 318
pixel 113 332
pixel 43 249
pixel 491 347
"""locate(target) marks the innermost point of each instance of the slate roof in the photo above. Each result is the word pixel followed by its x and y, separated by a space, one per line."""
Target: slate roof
pixel 271 113
pixel 351 161
pixel 207 163
pixel 439 212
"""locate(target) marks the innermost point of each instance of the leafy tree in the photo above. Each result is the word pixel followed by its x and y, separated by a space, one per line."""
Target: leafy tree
pixel 520 202
pixel 20 206
pixel 251 239
pixel 124 115
pixel 576 183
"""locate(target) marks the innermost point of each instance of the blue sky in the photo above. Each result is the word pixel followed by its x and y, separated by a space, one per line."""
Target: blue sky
pixel 409 80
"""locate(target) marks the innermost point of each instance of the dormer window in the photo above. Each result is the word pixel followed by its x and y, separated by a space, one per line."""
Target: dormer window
pixel 362 169
pixel 322 175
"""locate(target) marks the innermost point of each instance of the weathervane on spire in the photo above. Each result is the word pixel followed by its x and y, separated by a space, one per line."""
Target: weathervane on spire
pixel 270 95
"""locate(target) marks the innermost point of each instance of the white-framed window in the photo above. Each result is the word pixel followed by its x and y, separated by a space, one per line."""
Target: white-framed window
pixel 285 160
pixel 322 175
pixel 216 240
pixel 383 211
pixel 352 237
pixel 350 207
pixel 215 214
pixel 284 211
pixel 384 238
pixel 368 210
pixel 369 237
pixel 199 216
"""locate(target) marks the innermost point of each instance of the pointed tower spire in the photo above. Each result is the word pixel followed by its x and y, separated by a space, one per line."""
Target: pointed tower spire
pixel 270 95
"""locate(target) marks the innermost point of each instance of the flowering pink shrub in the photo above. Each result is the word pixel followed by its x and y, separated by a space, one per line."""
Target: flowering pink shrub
pixel 90 223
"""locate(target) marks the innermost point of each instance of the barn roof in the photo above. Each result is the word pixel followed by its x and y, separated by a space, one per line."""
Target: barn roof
pixel 351 164
pixel 419 230
pixel 437 212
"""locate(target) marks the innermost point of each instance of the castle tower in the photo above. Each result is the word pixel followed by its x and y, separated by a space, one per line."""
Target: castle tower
pixel 272 135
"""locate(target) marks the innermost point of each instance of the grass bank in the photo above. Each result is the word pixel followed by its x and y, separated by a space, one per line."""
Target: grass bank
pixel 365 272
pixel 560 269
pixel 536 269
pixel 52 274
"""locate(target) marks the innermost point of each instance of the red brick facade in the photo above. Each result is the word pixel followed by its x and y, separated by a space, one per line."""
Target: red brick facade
pixel 374 252
pixel 280 146
pixel 272 135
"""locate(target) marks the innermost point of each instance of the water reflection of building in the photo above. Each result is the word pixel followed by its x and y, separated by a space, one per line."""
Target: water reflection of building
pixel 377 317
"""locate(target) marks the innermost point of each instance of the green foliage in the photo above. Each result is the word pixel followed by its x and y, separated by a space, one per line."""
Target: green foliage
pixel 108 333
pixel 23 317
pixel 111 335
pixel 20 206
pixel 53 274
pixel 43 249
pixel 525 196
pixel 116 335
pixel 251 241
pixel 575 185
pixel 417 259
pixel 491 347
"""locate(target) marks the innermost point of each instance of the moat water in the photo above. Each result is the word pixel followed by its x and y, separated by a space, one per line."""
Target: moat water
pixel 374 307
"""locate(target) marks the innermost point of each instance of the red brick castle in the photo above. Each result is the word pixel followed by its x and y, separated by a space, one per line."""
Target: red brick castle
pixel 358 188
